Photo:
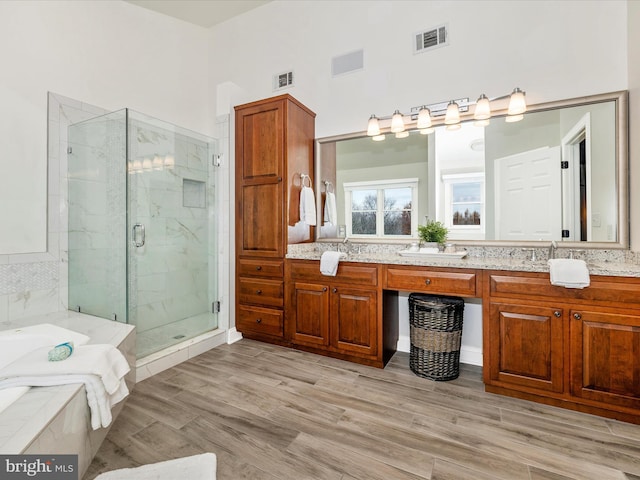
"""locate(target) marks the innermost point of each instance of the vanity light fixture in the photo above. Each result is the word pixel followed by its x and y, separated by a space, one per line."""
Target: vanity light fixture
pixel 373 129
pixel 482 113
pixel 452 117
pixel 397 122
pixel 424 114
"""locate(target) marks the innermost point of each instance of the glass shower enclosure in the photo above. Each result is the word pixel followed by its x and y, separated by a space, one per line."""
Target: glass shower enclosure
pixel 142 227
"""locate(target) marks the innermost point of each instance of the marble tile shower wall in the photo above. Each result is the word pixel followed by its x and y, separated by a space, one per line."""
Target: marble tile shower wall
pixel 36 283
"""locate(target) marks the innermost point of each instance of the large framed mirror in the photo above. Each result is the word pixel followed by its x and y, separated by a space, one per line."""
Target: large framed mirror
pixel 561 173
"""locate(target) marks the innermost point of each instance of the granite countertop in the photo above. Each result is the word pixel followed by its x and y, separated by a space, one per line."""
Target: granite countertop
pixel 487 258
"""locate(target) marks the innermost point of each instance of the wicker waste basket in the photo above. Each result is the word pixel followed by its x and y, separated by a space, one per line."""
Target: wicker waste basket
pixel 436 333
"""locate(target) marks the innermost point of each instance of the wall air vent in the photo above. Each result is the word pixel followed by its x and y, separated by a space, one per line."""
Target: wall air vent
pixel 283 80
pixel 349 62
pixel 430 39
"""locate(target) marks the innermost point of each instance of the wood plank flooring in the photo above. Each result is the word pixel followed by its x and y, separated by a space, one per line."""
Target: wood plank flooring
pixel 274 413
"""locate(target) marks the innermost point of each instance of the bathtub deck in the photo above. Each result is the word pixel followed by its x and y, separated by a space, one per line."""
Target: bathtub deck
pixel 48 420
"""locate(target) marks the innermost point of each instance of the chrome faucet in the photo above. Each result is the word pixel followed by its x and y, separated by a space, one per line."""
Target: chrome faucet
pixel 552 249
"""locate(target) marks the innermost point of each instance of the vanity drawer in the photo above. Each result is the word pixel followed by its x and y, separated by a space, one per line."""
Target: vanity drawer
pixel 427 280
pixel 347 273
pixel 260 268
pixel 260 320
pixel 602 289
pixel 261 291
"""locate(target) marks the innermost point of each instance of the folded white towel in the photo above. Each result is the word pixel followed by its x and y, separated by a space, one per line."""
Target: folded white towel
pixel 569 273
pixel 307 206
pixel 329 263
pixel 101 368
pixel 330 209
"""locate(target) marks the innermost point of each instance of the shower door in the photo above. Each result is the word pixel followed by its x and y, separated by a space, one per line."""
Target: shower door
pixel 171 236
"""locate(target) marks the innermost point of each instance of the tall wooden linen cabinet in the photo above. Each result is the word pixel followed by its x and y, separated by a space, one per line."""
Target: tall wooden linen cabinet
pixel 274 146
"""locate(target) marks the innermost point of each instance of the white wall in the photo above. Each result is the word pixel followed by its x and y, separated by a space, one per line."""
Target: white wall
pixel 552 50
pixel 106 53
pixel 110 54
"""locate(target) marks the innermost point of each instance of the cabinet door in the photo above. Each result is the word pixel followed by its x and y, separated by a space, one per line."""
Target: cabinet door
pixel 526 346
pixel 262 223
pixel 260 149
pixel 311 306
pixel 354 320
pixel 605 357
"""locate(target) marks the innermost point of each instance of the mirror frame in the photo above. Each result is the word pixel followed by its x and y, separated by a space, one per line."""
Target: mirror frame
pixel 621 100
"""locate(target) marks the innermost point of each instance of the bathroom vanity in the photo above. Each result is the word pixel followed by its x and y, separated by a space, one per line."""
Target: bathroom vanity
pixel 573 348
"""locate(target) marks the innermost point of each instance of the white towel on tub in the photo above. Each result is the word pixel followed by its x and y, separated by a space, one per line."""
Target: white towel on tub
pixel 569 273
pixel 101 368
pixel 307 206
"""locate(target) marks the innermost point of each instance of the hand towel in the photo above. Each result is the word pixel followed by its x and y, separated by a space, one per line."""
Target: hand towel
pixel 101 368
pixel 330 209
pixel 569 273
pixel 307 206
pixel 329 263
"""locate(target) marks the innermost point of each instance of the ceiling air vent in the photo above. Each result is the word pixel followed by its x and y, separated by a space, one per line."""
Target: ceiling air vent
pixel 432 38
pixel 283 80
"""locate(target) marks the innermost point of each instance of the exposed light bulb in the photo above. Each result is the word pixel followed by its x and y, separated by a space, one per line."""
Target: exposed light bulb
pixel 517 103
pixel 378 138
pixel 427 131
pixel 453 114
pixel 403 134
pixel 424 118
pixel 483 108
pixel 397 122
pixel 373 127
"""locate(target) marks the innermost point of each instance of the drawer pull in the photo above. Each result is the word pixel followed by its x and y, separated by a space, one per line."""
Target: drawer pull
pixel 324 289
pixel 258 268
pixel 258 292
pixel 577 316
pixel 427 281
pixel 335 290
pixel 557 314
pixel 258 320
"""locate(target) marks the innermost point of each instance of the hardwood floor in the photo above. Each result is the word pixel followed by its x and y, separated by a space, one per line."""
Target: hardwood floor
pixel 273 413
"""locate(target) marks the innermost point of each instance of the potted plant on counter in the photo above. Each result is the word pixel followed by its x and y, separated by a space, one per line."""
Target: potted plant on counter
pixel 433 234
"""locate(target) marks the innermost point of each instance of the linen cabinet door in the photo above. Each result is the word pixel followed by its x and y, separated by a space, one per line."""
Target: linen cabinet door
pixel 311 310
pixel 526 346
pixel 354 320
pixel 605 357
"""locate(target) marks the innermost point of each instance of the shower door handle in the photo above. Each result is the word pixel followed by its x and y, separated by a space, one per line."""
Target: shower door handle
pixel 138 241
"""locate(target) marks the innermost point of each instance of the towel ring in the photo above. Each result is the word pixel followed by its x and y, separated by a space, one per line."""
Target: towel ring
pixel 304 176
pixel 328 186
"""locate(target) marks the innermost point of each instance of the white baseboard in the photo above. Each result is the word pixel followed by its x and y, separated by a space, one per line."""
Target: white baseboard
pixel 233 335
pixel 469 355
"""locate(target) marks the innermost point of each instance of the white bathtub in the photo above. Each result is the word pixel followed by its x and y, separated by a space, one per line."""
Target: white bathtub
pixel 56 420
pixel 16 342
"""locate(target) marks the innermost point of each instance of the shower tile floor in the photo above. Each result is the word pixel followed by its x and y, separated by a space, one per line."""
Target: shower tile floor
pixel 159 338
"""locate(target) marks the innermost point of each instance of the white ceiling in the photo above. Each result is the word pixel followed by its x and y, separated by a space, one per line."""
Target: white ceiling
pixel 205 13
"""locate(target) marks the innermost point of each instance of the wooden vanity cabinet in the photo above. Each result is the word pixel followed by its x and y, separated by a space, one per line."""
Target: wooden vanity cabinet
pixel 274 145
pixel 576 348
pixel 337 316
